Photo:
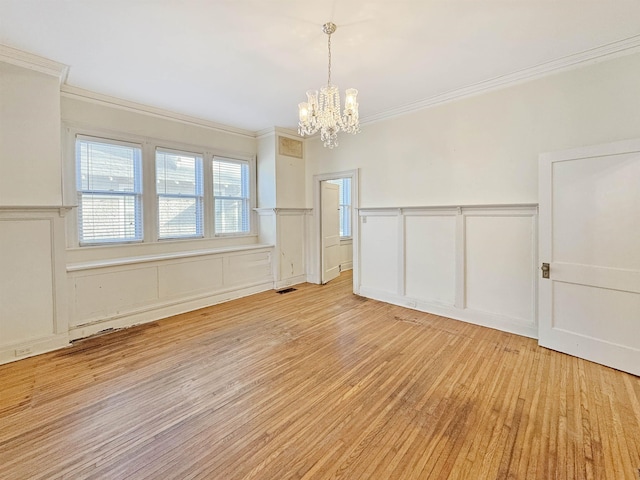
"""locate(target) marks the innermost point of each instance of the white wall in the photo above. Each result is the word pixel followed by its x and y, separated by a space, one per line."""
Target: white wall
pixel 281 217
pixel 30 166
pixel 266 168
pixel 281 178
pixel 290 182
pixel 33 313
pixel 77 111
pixel 484 149
pixel 481 150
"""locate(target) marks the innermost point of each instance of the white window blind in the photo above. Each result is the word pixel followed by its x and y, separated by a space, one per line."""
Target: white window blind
pixel 231 195
pixel 179 189
pixel 109 186
pixel 345 205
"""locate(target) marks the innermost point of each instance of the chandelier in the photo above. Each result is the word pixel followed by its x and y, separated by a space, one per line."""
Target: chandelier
pixel 322 111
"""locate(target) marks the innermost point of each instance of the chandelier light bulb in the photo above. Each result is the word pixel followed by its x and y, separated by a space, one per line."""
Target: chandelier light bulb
pixel 321 112
pixel 303 112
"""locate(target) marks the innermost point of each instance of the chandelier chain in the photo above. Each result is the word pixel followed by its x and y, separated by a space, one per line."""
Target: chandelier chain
pixel 329 45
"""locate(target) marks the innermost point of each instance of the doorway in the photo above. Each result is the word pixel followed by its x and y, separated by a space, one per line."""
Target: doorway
pixel 318 242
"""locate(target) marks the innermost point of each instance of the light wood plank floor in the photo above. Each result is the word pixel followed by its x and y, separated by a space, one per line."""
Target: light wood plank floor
pixel 315 384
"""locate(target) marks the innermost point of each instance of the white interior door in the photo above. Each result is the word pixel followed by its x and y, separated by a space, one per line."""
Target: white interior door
pixel 590 237
pixel 330 230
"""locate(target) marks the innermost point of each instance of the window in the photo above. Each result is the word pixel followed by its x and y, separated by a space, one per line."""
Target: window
pixel 231 195
pixel 179 189
pixel 109 186
pixel 345 205
pixel 197 195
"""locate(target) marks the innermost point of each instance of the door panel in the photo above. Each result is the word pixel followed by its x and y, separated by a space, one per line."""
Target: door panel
pixel 330 230
pixel 590 236
pixel 595 202
pixel 592 311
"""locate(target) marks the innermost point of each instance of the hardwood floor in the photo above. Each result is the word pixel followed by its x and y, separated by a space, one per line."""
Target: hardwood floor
pixel 315 384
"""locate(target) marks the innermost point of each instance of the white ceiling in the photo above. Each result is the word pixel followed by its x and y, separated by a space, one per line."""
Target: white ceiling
pixel 247 63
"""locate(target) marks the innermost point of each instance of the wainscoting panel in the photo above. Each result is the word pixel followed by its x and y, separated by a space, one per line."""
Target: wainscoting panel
pixel 291 240
pixel 27 291
pixel 472 263
pixel 180 278
pixel 33 311
pixel 430 257
pixel 379 245
pixel 249 267
pixel 499 266
pixel 101 294
pixel 288 229
pixel 121 293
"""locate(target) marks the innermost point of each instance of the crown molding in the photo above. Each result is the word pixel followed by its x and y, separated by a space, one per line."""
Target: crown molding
pixel 70 91
pixel 271 131
pixel 266 132
pixel 34 62
pixel 619 48
pixel 289 132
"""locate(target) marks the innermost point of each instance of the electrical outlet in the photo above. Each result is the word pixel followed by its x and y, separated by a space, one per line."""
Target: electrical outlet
pixel 21 352
pixel 411 304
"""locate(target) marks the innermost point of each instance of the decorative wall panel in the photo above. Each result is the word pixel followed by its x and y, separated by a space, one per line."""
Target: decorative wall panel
pixel 471 263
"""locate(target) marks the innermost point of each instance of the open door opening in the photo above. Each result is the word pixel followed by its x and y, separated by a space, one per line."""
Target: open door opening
pixel 348 228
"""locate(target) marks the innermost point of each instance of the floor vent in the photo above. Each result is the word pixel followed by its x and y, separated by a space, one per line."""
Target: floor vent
pixel 286 290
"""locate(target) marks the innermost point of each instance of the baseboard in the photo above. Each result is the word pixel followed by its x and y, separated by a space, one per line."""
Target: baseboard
pixel 30 348
pixel 484 319
pixel 289 282
pixel 346 266
pixel 159 311
pixel 313 278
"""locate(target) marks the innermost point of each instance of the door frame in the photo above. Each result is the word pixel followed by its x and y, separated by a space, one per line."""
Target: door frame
pixel 317 220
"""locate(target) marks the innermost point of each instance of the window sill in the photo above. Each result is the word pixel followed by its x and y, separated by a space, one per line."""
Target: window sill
pixel 76 267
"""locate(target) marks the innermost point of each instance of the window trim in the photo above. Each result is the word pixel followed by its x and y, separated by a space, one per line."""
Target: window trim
pixel 137 195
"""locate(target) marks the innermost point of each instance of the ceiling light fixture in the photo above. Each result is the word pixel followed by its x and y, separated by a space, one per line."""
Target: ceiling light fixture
pixel 322 112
